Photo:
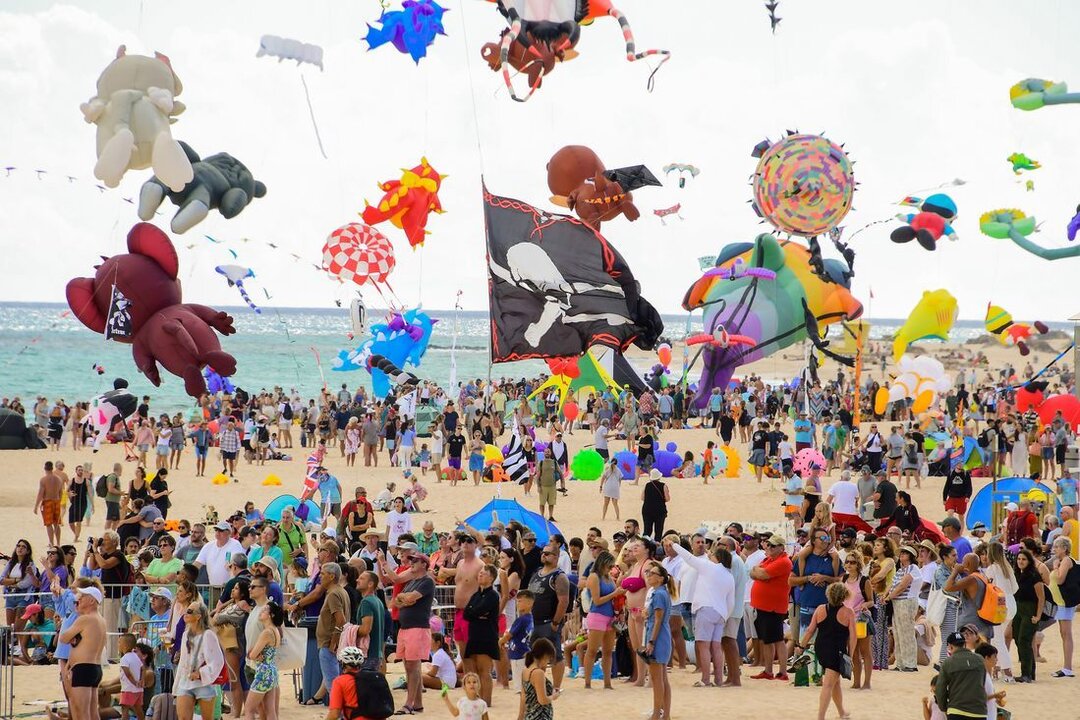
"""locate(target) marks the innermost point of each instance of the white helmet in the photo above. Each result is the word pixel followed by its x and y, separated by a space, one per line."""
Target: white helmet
pixel 351 656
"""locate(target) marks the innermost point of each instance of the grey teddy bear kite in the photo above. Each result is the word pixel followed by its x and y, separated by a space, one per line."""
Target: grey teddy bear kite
pixel 221 182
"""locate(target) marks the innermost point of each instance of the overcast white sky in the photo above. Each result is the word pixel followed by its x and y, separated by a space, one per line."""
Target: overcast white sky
pixel 918 92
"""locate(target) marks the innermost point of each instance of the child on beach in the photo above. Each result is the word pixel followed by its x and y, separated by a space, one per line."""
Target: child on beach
pixel 382 500
pixel 437 438
pixel 424 458
pixel 687 469
pixel 707 462
pixel 414 493
pixel 131 673
pixel 516 639
pixel 441 672
pixel 470 707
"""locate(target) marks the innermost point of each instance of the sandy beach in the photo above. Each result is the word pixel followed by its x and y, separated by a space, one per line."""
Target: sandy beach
pixel 724 499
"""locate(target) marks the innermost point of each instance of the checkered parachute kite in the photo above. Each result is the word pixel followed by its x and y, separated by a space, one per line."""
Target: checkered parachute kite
pixel 359 254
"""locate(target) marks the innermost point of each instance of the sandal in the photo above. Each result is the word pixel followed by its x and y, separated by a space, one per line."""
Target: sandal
pixel 700 684
pixel 405 710
pixel 311 701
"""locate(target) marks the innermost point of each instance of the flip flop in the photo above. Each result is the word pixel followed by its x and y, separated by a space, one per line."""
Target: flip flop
pixel 699 684
pixel 405 710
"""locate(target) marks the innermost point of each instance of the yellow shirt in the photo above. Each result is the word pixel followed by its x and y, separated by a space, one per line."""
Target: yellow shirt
pixel 1071 530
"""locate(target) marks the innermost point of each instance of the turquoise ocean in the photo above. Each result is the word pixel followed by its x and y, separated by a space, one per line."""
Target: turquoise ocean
pixel 46 351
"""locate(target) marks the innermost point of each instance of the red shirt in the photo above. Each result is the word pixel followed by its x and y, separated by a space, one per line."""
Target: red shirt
pixel 1020 525
pixel 772 595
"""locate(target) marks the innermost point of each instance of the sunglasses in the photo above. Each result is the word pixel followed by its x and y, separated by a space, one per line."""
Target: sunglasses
pixel 546 553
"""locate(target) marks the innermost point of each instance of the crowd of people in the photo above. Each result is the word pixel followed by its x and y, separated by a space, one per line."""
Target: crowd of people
pixel 859 582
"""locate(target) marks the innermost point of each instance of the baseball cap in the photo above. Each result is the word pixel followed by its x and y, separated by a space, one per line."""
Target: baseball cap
pixel 955 639
pixel 849 532
pixel 31 611
pixel 775 540
pixel 92 592
pixel 978 527
pixel 410 547
pixel 163 592
pixel 950 522
pixel 1012 507
pixel 223 525
pixel 330 533
pixel 601 543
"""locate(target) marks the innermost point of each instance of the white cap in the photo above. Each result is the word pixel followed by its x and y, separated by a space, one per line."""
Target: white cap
pixel 92 592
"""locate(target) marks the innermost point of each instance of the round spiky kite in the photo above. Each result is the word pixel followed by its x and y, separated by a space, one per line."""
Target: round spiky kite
pixel 803 184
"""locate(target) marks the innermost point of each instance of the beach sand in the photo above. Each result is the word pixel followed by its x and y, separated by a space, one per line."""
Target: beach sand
pixel 895 695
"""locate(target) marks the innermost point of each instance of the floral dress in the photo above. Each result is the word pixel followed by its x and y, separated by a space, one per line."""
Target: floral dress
pixel 266 672
pixel 352 440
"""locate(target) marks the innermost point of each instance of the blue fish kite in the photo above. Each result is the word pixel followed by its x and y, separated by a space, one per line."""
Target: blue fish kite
pixel 411 30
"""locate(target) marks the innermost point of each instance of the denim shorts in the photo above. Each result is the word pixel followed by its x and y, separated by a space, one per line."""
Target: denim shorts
pixel 204 692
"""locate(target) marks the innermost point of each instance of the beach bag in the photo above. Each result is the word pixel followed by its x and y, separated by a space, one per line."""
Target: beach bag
pixel 101 487
pixel 994 606
pixel 373 698
pixel 845 666
pixel 937 602
pixel 1048 615
pixel 292 652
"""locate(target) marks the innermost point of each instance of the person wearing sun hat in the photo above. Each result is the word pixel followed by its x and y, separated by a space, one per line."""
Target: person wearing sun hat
pixel 904 595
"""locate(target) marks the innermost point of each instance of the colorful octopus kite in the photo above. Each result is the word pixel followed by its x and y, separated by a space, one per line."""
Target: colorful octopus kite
pixel 408 201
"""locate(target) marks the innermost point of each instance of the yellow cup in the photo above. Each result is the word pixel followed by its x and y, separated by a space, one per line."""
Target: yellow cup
pixel 860 629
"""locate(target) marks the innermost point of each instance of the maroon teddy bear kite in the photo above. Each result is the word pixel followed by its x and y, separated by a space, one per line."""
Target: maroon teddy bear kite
pixel 148 313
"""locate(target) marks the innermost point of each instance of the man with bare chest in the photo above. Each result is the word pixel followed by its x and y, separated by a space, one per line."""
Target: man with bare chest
pixel 87 639
pixel 48 502
pixel 466 582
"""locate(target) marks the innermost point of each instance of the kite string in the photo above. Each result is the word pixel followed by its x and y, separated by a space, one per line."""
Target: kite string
pixel 472 88
pixel 311 112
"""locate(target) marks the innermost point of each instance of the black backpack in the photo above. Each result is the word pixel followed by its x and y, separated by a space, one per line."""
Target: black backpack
pixel 101 487
pixel 984 439
pixel 373 697
pixel 264 434
pixel 1070 589
pixel 286 412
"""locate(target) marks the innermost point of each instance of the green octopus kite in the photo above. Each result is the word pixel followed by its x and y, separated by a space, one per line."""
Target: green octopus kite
pixel 1034 93
pixel 1016 226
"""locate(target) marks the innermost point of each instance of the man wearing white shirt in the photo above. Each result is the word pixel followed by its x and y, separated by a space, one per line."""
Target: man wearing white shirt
pixel 214 556
pixel 844 498
pixel 711 603
pixel 752 554
pixel 730 641
pixel 676 567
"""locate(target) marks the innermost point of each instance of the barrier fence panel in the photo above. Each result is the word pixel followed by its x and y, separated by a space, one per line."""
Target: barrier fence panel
pixel 7 674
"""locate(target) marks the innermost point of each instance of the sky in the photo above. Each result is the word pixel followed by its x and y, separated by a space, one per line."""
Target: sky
pixel 916 91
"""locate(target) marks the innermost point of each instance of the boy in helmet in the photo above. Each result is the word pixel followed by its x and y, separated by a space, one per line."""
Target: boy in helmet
pixel 344 696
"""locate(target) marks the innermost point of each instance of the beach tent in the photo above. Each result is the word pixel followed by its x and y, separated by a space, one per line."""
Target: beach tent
pixel 14 435
pixel 1012 489
pixel 506 510
pixel 275 506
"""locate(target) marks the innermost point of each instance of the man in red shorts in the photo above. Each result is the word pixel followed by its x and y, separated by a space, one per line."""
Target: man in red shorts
pixel 956 493
pixel 466 582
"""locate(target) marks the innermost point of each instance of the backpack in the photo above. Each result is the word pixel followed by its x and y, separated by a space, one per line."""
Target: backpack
pixel 373 697
pixel 993 605
pixel 912 453
pixel 984 438
pixel 101 487
pixel 286 412
pixel 1070 589
pixel 264 434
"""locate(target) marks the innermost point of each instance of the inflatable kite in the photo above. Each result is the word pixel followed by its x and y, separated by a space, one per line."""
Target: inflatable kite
pixel 1020 161
pixel 771 6
pixel 663 213
pixel 1016 226
pixel 1000 324
pixel 411 30
pixel 408 202
pixel 358 254
pixel 544 32
pixel 133 110
pixel 806 460
pixel 934 220
pixel 571 375
pixel 797 303
pixel 683 170
pixel 739 269
pixel 558 287
pixel 286 49
pixel 235 275
pixel 1074 225
pixel 803 184
pixel 1034 93
pixel 135 298
pixel 15 435
pixel 578 181
pixel 402 339
pixel 931 319
pixel 393 373
pixel 110 408
pixel 221 183
pixel 215 383
pixel 921 379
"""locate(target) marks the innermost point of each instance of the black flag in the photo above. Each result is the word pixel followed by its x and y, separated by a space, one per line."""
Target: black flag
pixel 118 322
pixel 557 287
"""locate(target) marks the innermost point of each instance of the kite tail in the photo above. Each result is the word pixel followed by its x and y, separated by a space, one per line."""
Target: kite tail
pixel 631 48
pixel 247 298
pixel 311 112
pixel 504 59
